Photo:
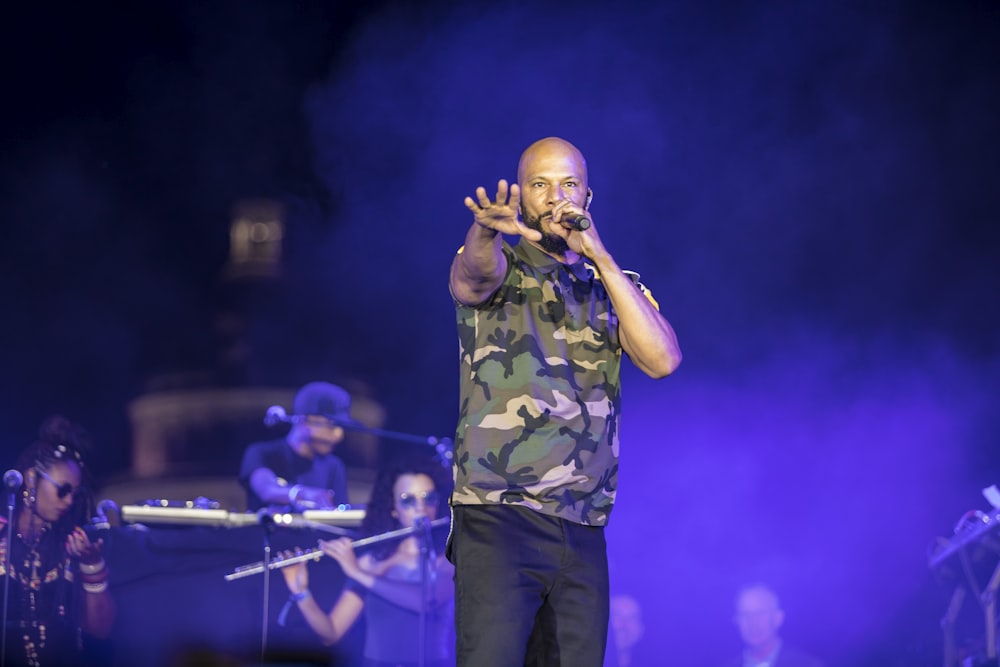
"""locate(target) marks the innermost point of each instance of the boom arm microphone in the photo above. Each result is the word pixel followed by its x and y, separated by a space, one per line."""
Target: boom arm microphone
pixel 276 414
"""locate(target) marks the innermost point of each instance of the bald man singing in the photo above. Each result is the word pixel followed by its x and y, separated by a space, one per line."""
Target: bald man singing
pixel 543 321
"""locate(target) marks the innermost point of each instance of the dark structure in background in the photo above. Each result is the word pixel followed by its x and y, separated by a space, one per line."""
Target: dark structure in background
pixel 189 432
pixel 190 428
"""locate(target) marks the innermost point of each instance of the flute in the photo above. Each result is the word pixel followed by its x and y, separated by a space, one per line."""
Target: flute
pixel 316 554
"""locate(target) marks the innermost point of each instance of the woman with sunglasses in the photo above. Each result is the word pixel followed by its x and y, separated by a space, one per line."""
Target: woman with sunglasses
pixel 385 582
pixel 57 577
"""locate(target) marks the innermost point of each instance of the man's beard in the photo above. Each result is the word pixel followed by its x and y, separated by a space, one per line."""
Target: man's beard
pixel 550 243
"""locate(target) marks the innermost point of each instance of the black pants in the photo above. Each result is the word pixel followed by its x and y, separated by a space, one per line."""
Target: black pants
pixel 530 589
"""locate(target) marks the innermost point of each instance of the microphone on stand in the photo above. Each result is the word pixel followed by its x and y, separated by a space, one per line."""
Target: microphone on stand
pixel 425 525
pixel 12 480
pixel 444 448
pixel 276 414
pixel 265 517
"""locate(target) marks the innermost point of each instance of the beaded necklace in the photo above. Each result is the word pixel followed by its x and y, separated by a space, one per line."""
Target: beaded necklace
pixel 43 589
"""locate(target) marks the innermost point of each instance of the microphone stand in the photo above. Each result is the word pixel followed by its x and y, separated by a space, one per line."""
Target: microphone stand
pixel 11 501
pixel 267 522
pixel 443 446
pixel 427 576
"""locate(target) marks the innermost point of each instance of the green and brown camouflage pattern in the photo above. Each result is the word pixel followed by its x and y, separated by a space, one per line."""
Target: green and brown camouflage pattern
pixel 540 392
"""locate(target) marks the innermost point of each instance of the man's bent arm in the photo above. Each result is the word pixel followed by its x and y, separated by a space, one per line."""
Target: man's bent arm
pixel 646 335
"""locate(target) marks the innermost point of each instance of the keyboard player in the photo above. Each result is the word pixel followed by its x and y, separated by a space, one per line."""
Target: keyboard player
pixel 300 471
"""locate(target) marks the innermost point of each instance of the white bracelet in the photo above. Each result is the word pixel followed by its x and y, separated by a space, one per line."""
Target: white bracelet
pixel 87 568
pixel 293 493
pixel 95 588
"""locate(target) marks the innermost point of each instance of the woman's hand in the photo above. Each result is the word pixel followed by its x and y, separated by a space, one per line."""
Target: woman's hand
pixel 79 546
pixel 296 577
pixel 341 551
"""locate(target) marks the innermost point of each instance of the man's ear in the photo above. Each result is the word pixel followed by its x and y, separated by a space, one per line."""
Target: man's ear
pixel 590 195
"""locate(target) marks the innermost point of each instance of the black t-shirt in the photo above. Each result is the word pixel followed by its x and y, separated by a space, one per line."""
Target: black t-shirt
pixel 325 472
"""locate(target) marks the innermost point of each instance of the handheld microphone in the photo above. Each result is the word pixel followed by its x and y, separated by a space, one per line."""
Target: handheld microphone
pixel 576 222
pixel 276 414
pixel 13 479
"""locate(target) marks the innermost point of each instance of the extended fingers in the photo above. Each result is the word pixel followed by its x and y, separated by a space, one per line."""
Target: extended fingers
pixel 480 203
pixel 484 201
pixel 502 192
pixel 507 195
pixel 330 547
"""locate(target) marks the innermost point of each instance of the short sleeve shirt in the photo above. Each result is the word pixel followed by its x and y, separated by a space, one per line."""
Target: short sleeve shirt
pixel 540 391
pixel 325 472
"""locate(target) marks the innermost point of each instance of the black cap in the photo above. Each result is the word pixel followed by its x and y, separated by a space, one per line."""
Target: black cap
pixel 325 400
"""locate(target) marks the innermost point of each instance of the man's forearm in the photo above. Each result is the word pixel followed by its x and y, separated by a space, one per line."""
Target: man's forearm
pixel 478 268
pixel 646 335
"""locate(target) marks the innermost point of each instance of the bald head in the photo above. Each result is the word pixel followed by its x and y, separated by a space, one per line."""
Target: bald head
pixel 759 618
pixel 548 149
pixel 759 595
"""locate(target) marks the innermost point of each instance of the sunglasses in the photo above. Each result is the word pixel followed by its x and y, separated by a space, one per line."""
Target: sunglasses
pixel 409 501
pixel 63 489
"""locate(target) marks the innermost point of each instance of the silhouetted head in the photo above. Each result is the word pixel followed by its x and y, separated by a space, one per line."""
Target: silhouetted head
pixel 759 618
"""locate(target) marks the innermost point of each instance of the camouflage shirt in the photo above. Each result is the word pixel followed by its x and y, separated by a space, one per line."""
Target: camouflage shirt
pixel 540 392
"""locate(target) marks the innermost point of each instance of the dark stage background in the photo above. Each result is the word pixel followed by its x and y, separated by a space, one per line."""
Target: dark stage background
pixel 810 190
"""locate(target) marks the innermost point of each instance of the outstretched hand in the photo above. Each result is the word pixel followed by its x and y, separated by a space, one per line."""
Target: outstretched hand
pixel 501 214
